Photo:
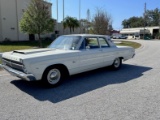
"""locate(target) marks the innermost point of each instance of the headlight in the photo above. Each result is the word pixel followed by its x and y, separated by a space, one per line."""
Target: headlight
pixel 23 66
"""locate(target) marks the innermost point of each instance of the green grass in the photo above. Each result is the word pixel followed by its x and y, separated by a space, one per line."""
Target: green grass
pixel 129 43
pixel 10 46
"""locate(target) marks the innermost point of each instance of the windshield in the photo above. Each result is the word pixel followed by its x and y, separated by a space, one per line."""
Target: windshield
pixel 66 42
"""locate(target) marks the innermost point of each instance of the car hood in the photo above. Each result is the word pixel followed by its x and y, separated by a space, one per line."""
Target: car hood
pixel 17 55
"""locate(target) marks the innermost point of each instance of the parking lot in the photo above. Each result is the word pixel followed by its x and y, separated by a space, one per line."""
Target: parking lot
pixel 131 93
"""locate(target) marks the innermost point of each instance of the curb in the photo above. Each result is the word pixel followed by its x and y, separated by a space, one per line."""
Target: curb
pixel 142 46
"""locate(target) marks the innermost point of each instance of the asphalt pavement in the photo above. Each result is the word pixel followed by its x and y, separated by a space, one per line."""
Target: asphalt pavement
pixel 131 93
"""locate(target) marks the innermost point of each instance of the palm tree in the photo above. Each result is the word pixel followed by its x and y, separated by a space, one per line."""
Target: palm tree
pixel 70 22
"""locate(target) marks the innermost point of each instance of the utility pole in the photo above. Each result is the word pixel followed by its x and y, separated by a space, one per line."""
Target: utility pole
pixel 159 25
pixel 88 20
pixel 63 16
pixel 80 14
pixel 144 20
pixel 17 20
pixel 1 32
pixel 57 15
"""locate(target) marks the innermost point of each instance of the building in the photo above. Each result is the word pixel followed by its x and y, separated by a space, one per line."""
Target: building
pixel 114 33
pixel 11 12
pixel 66 31
pixel 133 33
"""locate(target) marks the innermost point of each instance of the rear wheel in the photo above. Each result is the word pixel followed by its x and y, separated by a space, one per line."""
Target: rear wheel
pixel 53 76
pixel 117 63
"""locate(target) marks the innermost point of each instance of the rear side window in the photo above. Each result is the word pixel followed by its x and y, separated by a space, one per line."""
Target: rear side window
pixel 103 42
pixel 90 43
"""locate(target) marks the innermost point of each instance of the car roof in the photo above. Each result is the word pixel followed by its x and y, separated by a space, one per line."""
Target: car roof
pixel 87 35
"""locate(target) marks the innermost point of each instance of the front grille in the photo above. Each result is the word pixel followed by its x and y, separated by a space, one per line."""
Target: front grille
pixel 13 64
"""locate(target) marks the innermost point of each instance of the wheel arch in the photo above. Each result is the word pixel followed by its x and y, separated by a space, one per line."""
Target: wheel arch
pixel 61 66
pixel 121 58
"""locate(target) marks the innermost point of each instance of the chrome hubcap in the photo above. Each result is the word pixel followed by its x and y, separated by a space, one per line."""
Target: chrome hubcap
pixel 53 76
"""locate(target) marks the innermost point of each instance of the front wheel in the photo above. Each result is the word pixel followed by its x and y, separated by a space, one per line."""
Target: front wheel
pixel 53 77
pixel 117 63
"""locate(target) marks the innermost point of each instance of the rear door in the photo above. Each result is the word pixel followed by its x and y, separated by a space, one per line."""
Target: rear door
pixel 109 53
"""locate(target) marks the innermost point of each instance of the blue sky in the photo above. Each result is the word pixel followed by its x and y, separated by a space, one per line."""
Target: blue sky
pixel 118 9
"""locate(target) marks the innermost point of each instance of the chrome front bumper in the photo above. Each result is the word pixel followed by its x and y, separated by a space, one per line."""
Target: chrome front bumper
pixel 28 77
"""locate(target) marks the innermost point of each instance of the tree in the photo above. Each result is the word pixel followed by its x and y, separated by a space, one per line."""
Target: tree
pixel 153 17
pixel 85 24
pixel 37 19
pixel 133 22
pixel 101 22
pixel 71 22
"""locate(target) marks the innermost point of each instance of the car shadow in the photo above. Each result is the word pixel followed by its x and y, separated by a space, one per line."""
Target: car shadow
pixel 81 83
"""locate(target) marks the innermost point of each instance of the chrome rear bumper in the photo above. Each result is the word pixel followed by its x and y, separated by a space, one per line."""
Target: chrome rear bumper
pixel 28 77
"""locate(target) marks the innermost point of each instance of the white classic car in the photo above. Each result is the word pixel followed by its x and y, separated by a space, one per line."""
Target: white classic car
pixel 67 55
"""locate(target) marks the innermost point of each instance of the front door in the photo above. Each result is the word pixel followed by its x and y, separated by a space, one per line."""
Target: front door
pixel 90 54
